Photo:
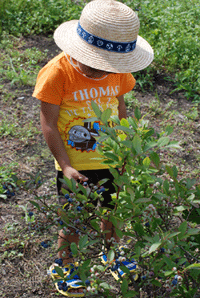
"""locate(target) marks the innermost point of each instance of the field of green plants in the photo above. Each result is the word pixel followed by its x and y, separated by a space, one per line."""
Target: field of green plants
pixel 171 27
pixel 156 214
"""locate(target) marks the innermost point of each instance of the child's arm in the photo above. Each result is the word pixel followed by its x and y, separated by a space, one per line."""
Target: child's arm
pixel 49 117
pixel 121 107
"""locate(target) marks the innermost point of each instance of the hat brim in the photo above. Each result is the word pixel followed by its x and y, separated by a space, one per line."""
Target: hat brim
pixel 68 40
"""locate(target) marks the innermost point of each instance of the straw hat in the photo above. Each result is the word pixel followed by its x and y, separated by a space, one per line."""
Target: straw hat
pixel 105 38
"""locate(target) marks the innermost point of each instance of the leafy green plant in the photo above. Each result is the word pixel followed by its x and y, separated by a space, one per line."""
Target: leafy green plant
pixel 170 27
pixel 36 17
pixel 147 214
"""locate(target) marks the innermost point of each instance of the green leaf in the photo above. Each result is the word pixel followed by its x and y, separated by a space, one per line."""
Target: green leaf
pixel 139 229
pixel 62 213
pixel 62 247
pixel 82 276
pixel 169 171
pixel 167 273
pixel 86 263
pixel 149 146
pixel 124 286
pixel 114 172
pixel 67 182
pixel 123 128
pixel 124 122
pixel 173 235
pixel 57 280
pixel 112 156
pixel 119 233
pixel 173 144
pixel 74 248
pixel 100 268
pixel 106 115
pixel 35 204
pixel 92 119
pixel 193 266
pixel 142 200
pixel 193 231
pixel 182 228
pixel 114 221
pixel 82 189
pixel 95 225
pixel 96 109
pixel 133 123
pixel 155 159
pixel 166 186
pixel 154 247
pixel 102 139
pixel 111 255
pixel 137 144
pixel 59 271
pixel 130 294
pixel 169 129
pixel 191 197
pixel 156 283
pixel 137 113
pixel 179 208
pixel 82 242
pixel 175 171
pixel 115 119
pixel 102 181
pixel 122 136
pixel 163 141
pixel 105 286
pixel 146 162
pixel 3 196
pixel 125 269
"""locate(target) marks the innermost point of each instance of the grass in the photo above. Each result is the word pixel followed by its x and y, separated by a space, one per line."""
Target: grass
pixel 171 27
pixel 19 66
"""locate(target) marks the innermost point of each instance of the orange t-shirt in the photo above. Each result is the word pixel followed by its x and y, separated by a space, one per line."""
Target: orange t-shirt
pixel 60 83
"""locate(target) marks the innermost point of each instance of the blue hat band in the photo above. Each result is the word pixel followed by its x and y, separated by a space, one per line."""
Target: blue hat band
pixel 104 44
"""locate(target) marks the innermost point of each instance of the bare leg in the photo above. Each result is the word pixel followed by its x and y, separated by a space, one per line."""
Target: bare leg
pixel 107 225
pixel 65 253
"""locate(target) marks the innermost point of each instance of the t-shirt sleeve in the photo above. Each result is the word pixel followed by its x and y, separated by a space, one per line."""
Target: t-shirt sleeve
pixel 50 85
pixel 127 83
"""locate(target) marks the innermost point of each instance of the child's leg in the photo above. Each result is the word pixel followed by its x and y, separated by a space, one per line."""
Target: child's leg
pixel 108 225
pixel 105 224
pixel 64 239
pixel 94 176
pixel 65 254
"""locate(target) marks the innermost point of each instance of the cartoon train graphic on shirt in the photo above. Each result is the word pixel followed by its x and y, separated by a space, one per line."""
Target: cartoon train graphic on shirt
pixel 83 137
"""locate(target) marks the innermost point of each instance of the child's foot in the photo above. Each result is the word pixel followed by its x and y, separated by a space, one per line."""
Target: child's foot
pixel 70 287
pixel 115 269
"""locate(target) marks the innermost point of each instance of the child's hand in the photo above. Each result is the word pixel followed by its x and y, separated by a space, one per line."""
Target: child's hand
pixel 72 173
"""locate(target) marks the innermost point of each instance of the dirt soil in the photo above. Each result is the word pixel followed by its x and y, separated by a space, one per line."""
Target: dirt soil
pixel 24 272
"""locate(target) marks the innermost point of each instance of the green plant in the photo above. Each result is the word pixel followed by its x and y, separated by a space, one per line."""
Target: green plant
pixel 148 213
pixel 170 27
pixel 19 67
pixel 8 179
pixel 35 17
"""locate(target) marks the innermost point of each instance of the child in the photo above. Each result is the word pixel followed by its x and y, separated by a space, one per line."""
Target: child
pixel 99 53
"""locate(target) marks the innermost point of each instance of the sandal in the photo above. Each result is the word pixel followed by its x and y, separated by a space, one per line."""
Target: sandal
pixel 65 287
pixel 115 269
